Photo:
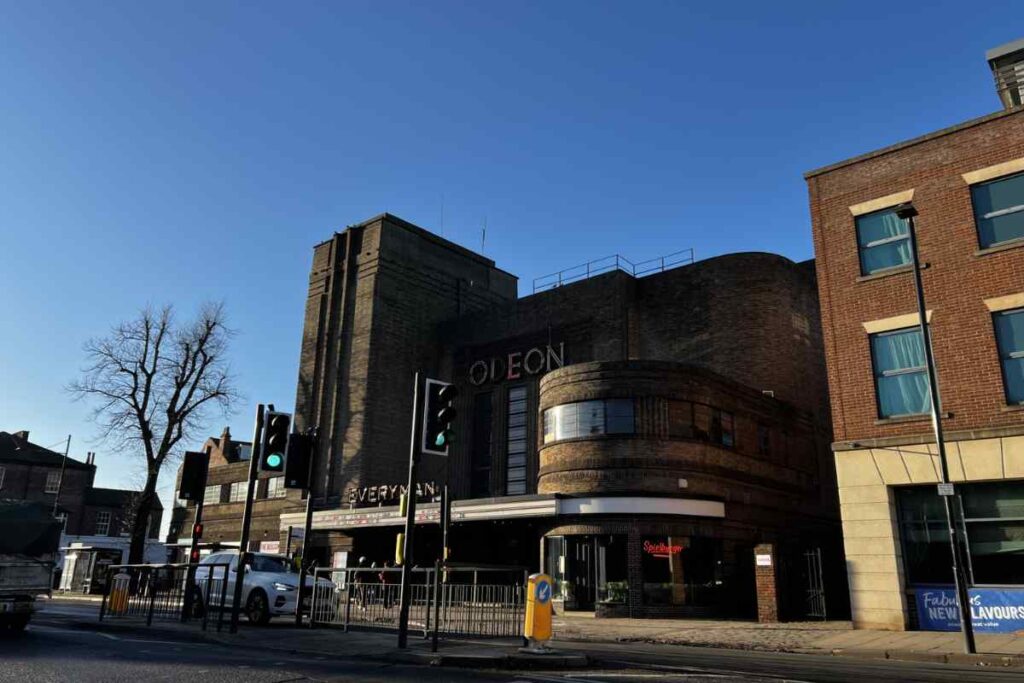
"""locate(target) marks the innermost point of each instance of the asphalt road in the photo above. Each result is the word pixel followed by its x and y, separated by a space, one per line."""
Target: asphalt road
pixel 53 650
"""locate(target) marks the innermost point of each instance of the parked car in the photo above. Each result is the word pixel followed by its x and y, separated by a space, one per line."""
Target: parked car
pixel 269 589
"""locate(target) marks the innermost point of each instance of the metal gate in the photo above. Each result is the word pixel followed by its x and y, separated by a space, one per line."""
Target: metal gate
pixel 814 605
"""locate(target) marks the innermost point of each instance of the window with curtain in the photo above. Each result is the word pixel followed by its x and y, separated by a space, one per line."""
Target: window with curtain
pixel 901 377
pixel 515 482
pixel 999 210
pixel 1010 341
pixel 883 241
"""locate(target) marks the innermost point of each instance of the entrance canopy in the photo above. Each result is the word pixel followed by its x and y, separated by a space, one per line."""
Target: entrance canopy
pixel 510 507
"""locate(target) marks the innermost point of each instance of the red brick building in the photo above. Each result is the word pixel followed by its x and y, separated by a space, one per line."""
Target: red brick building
pixel 967 185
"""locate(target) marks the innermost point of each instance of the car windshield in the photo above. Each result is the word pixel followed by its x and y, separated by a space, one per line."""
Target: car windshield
pixel 264 563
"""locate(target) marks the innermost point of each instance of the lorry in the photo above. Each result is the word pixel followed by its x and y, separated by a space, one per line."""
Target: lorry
pixel 29 544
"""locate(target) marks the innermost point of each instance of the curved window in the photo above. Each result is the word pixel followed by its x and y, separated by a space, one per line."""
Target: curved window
pixel 588 418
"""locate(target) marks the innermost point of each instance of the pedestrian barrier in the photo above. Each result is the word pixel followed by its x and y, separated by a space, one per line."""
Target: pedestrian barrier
pixel 167 592
pixel 464 600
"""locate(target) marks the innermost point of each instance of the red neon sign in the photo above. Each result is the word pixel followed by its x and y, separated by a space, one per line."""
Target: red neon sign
pixel 662 549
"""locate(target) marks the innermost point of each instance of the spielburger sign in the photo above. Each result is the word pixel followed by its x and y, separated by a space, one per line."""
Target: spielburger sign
pixel 517 364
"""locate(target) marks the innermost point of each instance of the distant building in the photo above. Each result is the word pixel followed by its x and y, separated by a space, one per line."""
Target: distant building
pixel 224 499
pixel 967 185
pixel 96 520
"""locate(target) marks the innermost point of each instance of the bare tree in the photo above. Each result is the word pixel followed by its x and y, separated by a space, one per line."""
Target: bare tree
pixel 152 382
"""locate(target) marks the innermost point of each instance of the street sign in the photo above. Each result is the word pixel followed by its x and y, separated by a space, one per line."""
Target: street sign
pixel 945 489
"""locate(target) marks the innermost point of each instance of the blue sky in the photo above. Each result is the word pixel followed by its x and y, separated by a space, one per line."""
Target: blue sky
pixel 183 152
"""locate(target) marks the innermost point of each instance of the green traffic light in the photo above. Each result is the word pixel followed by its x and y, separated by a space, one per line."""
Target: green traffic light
pixel 274 460
pixel 444 438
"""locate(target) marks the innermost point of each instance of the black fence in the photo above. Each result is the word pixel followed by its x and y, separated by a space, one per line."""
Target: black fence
pixel 463 600
pixel 165 592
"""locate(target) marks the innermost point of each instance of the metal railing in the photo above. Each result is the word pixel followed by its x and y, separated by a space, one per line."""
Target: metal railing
pixel 167 592
pixel 607 264
pixel 466 600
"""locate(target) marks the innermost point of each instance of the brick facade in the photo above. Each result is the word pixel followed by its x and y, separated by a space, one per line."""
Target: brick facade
pixel 985 436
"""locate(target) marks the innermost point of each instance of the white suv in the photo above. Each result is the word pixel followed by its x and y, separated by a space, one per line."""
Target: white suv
pixel 269 588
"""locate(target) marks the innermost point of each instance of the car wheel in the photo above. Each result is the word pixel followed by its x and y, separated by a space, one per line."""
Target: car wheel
pixel 257 610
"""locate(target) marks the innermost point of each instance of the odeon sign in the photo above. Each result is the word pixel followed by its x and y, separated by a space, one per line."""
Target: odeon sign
pixel 518 363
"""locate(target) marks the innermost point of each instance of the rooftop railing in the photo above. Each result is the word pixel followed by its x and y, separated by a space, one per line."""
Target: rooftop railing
pixel 607 264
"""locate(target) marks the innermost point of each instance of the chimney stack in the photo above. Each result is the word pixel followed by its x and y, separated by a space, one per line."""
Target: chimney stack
pixel 1007 64
pixel 23 435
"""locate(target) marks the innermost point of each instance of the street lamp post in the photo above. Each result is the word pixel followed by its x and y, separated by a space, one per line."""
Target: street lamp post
pixel 907 212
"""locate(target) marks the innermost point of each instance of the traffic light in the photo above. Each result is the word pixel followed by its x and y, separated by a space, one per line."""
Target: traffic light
pixel 197 531
pixel 274 450
pixel 438 416
pixel 298 461
pixel 193 555
pixel 193 475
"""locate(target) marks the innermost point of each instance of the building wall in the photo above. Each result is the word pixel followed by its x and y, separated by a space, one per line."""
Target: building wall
pixel 873 455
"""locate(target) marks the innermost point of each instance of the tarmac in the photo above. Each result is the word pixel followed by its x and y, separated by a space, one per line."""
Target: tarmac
pixel 836 638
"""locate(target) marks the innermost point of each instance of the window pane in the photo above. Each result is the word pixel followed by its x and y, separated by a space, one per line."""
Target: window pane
pixel 211 495
pixel 874 228
pixel 923 533
pixel 619 416
pixel 515 439
pixel 998 196
pixel 516 433
pixel 566 425
pixel 549 424
pixel 903 395
pixel 1010 339
pixel 997 499
pixel 898 351
pixel 517 419
pixel 590 418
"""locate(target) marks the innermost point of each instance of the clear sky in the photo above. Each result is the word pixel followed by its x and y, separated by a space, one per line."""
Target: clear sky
pixel 182 152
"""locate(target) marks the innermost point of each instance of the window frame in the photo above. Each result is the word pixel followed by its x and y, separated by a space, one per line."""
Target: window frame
pixel 1013 355
pixel 875 374
pixel 525 399
pixel 219 494
pixel 3 475
pixel 553 422
pixel 862 248
pixel 277 489
pixel 52 476
pixel 107 519
pixel 242 487
pixel 994 214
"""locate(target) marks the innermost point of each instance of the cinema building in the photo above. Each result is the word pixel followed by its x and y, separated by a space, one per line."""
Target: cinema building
pixel 966 183
pixel 655 436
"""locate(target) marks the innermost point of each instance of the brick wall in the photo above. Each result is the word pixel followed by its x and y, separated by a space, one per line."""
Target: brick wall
pixel 956 280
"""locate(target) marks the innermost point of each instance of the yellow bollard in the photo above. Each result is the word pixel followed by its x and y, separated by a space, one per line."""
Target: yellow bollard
pixel 539 589
pixel 117 603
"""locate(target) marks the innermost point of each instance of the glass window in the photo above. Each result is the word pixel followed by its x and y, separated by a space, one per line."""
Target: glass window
pixel 612 571
pixel 993 519
pixel 901 379
pixel 3 471
pixel 554 562
pixel 211 494
pixel 102 523
pixel 237 493
pixel 680 570
pixel 1010 340
pixel 618 414
pixel 764 440
pixel 515 482
pixel 589 418
pixel 883 241
pixel 62 517
pixel 480 455
pixel 275 487
pixel 52 482
pixel 722 427
pixel 999 210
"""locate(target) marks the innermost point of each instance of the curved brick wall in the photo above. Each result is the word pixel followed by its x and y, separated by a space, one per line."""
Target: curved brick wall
pixel 651 462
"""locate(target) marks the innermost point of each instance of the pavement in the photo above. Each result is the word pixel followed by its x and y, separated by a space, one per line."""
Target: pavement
pixel 574 632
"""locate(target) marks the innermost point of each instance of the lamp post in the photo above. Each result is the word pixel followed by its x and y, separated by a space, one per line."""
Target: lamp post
pixel 946 490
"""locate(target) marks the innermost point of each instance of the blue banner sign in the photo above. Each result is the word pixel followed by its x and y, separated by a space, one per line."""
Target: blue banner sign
pixel 993 610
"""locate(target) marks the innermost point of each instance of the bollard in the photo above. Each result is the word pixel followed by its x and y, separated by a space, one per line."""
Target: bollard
pixel 537 628
pixel 118 603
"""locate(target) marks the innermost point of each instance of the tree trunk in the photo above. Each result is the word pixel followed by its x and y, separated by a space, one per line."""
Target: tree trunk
pixel 140 524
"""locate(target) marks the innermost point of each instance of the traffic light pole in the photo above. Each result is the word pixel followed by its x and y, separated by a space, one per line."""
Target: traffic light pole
pixel 306 529
pixel 193 551
pixel 243 542
pixel 410 513
pixel 908 213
